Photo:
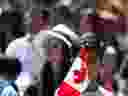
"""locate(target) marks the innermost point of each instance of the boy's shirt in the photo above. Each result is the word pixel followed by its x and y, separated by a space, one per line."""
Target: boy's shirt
pixel 25 51
pixel 6 89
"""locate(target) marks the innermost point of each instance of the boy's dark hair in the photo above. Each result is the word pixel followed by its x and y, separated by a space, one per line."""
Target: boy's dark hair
pixel 10 67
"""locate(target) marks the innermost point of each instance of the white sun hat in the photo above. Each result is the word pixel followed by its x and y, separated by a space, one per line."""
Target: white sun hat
pixel 45 34
pixel 61 32
pixel 64 29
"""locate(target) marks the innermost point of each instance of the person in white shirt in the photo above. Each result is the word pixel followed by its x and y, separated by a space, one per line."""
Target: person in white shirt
pixel 23 49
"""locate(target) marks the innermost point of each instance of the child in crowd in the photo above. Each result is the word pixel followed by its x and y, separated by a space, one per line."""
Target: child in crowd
pixel 10 68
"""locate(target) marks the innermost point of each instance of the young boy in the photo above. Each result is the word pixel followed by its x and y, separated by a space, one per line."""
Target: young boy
pixel 10 68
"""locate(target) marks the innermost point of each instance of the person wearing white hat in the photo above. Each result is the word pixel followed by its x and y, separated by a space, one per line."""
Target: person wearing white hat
pixel 77 79
pixel 58 41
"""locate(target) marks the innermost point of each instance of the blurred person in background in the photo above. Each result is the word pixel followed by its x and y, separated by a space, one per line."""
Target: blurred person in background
pixel 8 76
pixel 121 75
pixel 109 13
pixel 9 18
pixel 23 48
pixel 116 55
pixel 5 5
pixel 109 20
pixel 110 8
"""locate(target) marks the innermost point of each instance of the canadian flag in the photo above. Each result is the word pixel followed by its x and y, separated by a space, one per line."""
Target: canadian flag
pixel 78 78
pixel 71 85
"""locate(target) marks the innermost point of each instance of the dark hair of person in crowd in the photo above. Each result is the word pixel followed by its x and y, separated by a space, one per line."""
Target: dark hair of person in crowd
pixel 62 15
pixel 13 18
pixel 10 67
pixel 45 14
pixel 46 3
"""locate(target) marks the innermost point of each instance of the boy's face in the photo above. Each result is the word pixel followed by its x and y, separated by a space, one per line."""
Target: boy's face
pixel 55 51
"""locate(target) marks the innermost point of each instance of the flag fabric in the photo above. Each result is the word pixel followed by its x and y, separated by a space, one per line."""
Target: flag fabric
pixel 71 85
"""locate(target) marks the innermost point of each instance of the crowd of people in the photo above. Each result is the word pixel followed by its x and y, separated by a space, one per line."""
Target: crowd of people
pixel 63 48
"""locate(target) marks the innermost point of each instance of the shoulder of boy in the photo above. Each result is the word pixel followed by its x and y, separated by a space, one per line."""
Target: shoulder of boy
pixel 13 45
